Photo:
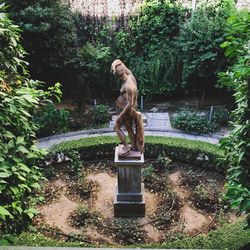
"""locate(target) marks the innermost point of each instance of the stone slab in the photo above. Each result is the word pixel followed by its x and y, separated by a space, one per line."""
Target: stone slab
pixel 128 162
pixel 136 155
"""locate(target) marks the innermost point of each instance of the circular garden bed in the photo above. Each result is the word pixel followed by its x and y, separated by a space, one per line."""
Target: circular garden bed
pixel 183 193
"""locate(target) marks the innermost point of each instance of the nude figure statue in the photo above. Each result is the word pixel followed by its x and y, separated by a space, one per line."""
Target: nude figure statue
pixel 127 101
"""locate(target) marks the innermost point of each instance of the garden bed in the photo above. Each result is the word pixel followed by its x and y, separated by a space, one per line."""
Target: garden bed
pixel 183 199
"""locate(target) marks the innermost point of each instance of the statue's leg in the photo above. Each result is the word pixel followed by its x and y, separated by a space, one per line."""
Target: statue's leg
pixel 118 124
pixel 131 134
pixel 139 135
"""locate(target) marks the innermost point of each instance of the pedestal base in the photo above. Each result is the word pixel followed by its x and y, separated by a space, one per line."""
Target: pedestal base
pixel 129 200
pixel 129 209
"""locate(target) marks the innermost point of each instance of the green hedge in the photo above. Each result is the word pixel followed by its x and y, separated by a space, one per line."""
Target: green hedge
pixel 231 236
pixel 177 149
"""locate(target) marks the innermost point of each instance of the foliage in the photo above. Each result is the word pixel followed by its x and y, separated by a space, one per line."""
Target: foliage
pixel 149 46
pixel 222 238
pixel 100 114
pixel 220 117
pixel 92 67
pixel 49 36
pixel 19 97
pixel 193 122
pixel 237 144
pixel 51 120
pixel 200 40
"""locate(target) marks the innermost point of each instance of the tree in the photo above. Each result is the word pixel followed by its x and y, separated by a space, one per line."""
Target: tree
pixel 49 36
pixel 200 40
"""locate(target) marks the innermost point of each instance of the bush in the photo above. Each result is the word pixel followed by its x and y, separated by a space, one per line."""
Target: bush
pixel 237 144
pixel 100 114
pixel 51 120
pixel 149 47
pixel 193 122
pixel 220 117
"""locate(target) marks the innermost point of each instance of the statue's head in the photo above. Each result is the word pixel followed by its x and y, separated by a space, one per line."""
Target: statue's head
pixel 118 68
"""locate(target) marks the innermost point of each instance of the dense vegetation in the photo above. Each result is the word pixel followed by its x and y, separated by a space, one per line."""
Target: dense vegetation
pixel 20 97
pixel 169 50
pixel 237 144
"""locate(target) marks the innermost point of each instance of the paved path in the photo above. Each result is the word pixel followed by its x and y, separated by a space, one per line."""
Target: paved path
pixel 153 121
pixel 157 124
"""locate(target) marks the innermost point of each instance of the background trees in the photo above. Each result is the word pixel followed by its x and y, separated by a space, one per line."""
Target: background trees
pixel 169 51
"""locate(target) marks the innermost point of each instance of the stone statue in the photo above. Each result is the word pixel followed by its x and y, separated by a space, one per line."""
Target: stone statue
pixel 127 101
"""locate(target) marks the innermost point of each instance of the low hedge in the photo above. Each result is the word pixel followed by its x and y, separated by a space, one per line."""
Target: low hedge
pixel 182 150
pixel 231 236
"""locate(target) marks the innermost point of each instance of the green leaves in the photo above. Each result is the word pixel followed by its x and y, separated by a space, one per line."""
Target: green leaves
pixel 4 212
pixel 19 98
pixel 237 144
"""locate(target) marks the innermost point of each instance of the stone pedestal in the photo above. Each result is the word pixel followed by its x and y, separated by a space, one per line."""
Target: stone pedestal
pixel 129 198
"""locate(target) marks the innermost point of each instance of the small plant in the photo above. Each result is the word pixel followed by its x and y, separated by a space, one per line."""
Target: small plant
pixel 83 188
pixel 203 199
pixel 75 160
pixel 163 162
pixel 148 171
pixel 100 114
pixel 51 120
pixel 193 122
pixel 81 217
pixel 127 231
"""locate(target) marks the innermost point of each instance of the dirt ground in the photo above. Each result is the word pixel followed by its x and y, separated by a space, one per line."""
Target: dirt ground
pixel 188 220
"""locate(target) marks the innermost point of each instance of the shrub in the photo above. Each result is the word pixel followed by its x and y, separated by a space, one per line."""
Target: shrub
pixel 149 47
pixel 220 117
pixel 51 120
pixel 193 122
pixel 100 114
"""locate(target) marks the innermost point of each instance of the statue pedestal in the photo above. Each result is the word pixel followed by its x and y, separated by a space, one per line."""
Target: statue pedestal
pixel 129 198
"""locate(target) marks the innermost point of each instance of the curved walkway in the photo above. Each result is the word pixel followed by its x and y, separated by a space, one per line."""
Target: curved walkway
pixel 47 142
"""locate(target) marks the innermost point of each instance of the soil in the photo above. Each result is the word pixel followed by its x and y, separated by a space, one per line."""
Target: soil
pixel 184 217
